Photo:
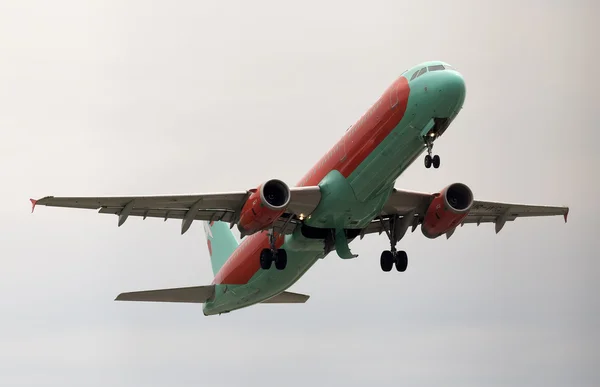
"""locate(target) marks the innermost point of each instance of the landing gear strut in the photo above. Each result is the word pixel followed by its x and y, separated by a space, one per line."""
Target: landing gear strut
pixel 273 254
pixel 392 257
pixel 429 160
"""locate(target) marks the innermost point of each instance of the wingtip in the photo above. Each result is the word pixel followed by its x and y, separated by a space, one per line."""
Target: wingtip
pixel 566 215
pixel 33 203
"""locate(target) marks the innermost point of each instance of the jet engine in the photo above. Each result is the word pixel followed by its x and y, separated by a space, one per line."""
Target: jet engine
pixel 264 206
pixel 447 210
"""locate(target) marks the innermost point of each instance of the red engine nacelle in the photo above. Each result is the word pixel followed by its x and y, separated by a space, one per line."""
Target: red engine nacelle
pixel 264 206
pixel 447 210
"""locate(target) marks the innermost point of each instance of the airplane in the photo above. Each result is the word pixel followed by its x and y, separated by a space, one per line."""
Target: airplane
pixel 347 194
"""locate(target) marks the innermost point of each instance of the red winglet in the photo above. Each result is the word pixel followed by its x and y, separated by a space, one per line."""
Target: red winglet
pixel 33 203
pixel 566 215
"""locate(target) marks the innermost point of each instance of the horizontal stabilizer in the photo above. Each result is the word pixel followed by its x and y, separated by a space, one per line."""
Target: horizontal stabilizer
pixel 193 294
pixel 287 298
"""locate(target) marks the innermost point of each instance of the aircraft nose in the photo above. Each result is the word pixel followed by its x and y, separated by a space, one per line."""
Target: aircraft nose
pixel 455 85
pixel 450 90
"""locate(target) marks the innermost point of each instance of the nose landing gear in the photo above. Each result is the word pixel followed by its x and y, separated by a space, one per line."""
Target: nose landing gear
pixel 431 160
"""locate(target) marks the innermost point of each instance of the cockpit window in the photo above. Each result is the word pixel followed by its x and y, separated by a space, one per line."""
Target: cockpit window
pixel 419 73
pixel 414 75
pixel 423 71
pixel 436 67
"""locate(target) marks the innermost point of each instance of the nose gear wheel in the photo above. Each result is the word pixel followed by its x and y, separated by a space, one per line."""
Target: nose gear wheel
pixel 429 159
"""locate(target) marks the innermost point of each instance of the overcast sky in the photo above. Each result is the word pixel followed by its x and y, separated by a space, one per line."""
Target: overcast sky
pixel 141 97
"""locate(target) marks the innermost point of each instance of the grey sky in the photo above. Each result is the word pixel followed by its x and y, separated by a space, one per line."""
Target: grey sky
pixel 140 97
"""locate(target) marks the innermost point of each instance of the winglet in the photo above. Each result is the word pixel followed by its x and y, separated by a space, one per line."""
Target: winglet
pixel 33 203
pixel 566 215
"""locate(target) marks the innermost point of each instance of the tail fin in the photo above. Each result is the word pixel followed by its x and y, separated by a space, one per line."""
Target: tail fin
pixel 221 243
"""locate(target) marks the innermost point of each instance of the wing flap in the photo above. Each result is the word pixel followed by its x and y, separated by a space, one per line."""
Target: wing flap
pixel 217 214
pixel 193 294
pixel 287 298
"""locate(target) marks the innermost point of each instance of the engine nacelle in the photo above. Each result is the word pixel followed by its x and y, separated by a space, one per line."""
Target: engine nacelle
pixel 447 210
pixel 264 206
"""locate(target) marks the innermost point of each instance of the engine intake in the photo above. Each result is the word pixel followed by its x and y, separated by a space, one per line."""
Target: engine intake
pixel 264 206
pixel 275 194
pixel 447 210
pixel 458 197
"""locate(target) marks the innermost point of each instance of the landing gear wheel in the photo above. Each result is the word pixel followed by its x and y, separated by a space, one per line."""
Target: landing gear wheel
pixel 436 161
pixel 401 261
pixel 273 254
pixel 281 259
pixel 266 258
pixel 428 161
pixel 387 260
pixel 395 231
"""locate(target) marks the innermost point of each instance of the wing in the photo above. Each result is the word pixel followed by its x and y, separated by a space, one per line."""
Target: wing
pixel 411 206
pixel 224 207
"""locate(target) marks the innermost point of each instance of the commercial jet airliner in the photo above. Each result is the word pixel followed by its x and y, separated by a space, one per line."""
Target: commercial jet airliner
pixel 347 194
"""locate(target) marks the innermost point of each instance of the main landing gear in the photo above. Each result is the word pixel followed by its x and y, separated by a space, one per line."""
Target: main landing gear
pixel 429 160
pixel 273 254
pixel 392 257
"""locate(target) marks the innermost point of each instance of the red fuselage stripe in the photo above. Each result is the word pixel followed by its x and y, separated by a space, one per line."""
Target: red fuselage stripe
pixel 345 156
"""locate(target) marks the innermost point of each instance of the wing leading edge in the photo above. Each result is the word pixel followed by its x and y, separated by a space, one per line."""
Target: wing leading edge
pixel 223 207
pixel 415 204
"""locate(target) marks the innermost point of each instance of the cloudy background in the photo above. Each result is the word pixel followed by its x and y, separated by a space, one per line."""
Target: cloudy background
pixel 141 97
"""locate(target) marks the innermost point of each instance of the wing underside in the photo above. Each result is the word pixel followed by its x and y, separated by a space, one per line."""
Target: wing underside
pixel 226 207
pixel 223 207
pixel 414 205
